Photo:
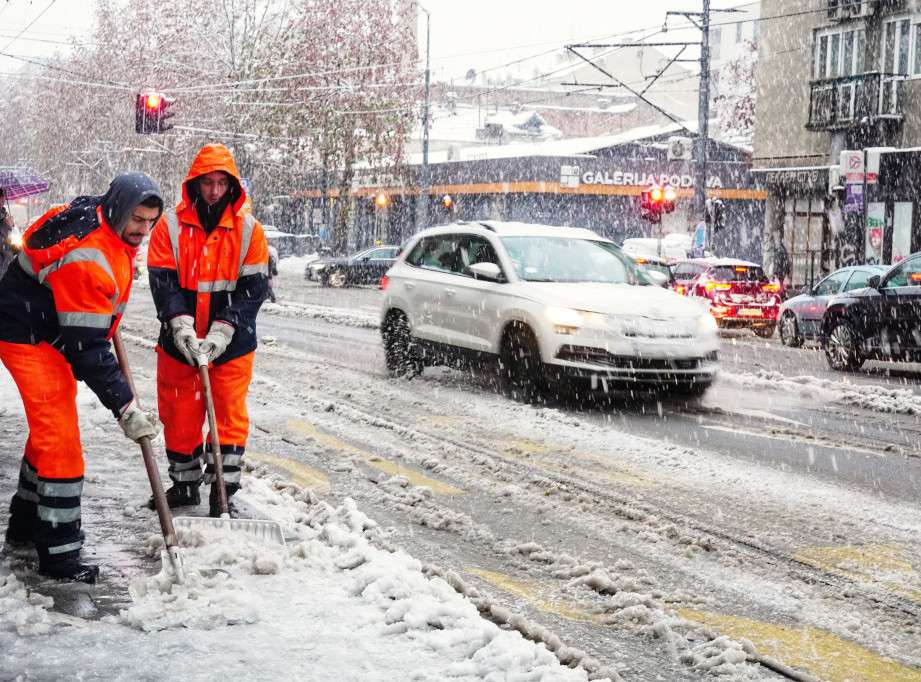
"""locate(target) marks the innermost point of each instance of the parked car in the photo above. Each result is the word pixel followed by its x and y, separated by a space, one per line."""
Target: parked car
pixel 738 292
pixel 881 321
pixel 800 317
pixel 553 307
pixel 364 267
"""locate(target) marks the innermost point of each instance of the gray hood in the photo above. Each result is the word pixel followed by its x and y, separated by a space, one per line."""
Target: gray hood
pixel 126 192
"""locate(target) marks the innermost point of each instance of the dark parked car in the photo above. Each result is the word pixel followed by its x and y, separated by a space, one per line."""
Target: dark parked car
pixel 739 293
pixel 800 318
pixel 879 322
pixel 364 267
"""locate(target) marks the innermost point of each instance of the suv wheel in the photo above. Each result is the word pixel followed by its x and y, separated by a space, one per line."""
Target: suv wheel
pixel 842 347
pixel 401 352
pixel 520 366
pixel 789 332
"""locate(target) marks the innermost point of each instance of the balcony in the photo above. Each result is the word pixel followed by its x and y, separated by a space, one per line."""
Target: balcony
pixel 849 101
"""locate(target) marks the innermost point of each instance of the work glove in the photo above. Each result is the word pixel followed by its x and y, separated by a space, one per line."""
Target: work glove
pixel 216 340
pixel 136 424
pixel 185 338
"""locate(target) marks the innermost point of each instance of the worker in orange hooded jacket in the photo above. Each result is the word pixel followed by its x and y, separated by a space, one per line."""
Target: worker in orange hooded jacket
pixel 208 267
pixel 60 302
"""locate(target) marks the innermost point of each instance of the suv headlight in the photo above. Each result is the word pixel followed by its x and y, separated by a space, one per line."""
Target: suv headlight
pixel 568 320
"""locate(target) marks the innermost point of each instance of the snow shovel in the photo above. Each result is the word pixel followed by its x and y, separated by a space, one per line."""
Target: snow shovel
pixel 163 512
pixel 264 529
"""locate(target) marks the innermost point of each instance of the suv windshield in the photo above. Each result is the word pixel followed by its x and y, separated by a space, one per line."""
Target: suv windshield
pixel 737 273
pixel 565 259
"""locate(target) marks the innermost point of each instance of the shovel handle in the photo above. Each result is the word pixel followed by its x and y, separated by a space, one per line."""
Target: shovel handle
pixel 216 456
pixel 150 462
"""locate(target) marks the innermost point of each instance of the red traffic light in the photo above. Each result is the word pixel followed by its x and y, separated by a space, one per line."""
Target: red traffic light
pixel 151 109
pixel 447 202
pixel 656 193
pixel 381 199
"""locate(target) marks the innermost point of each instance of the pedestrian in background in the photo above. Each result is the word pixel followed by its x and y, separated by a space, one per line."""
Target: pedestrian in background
pixel 7 225
pixel 208 266
pixel 273 271
pixel 60 302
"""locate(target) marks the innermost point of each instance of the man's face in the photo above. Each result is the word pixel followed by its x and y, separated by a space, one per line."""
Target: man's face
pixel 213 186
pixel 139 225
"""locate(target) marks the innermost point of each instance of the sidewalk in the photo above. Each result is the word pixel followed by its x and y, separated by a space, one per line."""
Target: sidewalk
pixel 336 604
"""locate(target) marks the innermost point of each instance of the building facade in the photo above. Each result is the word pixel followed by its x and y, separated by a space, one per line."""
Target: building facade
pixel 837 125
pixel 580 183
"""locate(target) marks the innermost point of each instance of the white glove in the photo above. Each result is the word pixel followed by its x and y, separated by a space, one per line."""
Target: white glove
pixel 216 340
pixel 185 338
pixel 136 424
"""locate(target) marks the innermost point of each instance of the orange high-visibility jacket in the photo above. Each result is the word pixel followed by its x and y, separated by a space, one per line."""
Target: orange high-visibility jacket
pixel 69 287
pixel 218 276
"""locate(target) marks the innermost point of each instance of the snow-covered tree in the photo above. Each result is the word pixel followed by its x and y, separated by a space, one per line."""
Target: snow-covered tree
pixel 733 99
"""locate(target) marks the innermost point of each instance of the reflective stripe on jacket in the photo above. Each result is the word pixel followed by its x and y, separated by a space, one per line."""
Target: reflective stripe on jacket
pixel 221 275
pixel 69 287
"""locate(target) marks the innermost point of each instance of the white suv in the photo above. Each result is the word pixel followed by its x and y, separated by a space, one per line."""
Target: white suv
pixel 558 307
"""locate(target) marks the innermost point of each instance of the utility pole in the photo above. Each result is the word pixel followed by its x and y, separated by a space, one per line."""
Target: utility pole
pixel 422 206
pixel 703 123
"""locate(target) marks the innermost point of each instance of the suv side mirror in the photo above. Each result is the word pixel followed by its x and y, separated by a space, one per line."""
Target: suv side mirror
pixel 489 271
pixel 873 281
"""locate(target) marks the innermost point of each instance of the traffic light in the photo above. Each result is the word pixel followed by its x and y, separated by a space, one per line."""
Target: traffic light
pixel 151 109
pixel 447 203
pixel 656 200
pixel 381 200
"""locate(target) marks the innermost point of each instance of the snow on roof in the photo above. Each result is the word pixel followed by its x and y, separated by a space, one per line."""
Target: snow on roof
pixel 577 146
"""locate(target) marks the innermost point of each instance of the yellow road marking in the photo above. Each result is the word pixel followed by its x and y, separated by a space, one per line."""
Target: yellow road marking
pixel 880 564
pixel 301 474
pixel 821 653
pixel 608 470
pixel 542 595
pixel 308 429
pixel 788 438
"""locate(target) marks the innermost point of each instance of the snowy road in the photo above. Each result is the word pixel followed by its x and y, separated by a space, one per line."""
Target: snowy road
pixel 635 549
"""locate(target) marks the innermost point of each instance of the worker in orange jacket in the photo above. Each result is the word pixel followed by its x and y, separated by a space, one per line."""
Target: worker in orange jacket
pixel 60 302
pixel 208 266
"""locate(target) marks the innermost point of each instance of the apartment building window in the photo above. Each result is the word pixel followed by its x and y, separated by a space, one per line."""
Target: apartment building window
pixel 839 52
pixel 896 46
pixel 738 32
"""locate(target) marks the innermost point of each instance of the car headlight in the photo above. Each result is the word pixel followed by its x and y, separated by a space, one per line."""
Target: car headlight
pixel 707 322
pixel 568 320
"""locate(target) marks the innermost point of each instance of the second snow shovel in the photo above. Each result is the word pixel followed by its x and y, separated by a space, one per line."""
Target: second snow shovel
pixel 264 529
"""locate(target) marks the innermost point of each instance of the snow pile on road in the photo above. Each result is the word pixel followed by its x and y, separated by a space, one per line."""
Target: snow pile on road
pixel 875 398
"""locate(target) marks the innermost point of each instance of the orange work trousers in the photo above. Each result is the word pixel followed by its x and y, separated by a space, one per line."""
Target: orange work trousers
pixel 49 394
pixel 181 403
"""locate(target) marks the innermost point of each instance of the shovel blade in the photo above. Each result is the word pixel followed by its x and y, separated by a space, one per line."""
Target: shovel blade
pixel 268 531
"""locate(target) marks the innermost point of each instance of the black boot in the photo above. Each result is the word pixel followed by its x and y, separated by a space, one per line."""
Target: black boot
pixel 71 568
pixel 179 495
pixel 214 504
pixel 19 536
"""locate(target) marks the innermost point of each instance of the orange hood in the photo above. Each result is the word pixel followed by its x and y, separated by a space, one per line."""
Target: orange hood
pixel 215 157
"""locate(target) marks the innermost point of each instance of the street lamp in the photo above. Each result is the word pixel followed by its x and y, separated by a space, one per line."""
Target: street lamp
pixel 422 207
